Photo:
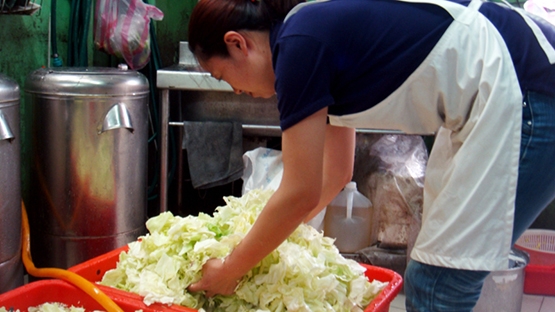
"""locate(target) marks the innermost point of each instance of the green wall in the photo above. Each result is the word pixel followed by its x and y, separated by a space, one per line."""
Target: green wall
pixel 173 28
pixel 24 44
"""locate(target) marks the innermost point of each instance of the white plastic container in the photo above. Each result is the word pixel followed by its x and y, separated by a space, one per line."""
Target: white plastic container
pixel 348 219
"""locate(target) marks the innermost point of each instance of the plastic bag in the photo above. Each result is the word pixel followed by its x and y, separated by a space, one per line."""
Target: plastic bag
pixel 263 170
pixel 542 8
pixel 396 188
pixel 122 28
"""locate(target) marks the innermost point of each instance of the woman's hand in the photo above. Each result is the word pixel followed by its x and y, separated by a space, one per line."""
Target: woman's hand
pixel 215 280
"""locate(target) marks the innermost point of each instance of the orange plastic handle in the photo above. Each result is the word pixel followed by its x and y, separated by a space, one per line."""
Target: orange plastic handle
pixel 77 280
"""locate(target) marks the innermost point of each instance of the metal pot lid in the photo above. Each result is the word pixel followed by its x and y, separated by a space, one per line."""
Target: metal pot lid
pixel 87 81
pixel 9 89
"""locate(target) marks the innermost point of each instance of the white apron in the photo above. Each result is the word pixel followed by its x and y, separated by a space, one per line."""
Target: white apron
pixel 466 91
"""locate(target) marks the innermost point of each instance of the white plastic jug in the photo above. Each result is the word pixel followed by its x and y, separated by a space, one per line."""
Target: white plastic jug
pixel 349 220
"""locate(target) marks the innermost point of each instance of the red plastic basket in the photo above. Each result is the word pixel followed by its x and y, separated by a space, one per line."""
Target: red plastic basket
pixel 539 274
pixel 539 244
pixel 539 280
pixel 383 300
pixel 94 269
pixel 48 291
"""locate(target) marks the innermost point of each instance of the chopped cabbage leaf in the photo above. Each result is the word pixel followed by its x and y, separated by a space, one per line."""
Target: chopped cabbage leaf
pixel 305 273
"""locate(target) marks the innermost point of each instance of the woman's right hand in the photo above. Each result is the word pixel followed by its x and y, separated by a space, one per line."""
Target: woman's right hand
pixel 215 279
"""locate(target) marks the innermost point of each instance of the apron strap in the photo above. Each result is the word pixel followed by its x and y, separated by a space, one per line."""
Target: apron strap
pixel 300 6
pixel 540 36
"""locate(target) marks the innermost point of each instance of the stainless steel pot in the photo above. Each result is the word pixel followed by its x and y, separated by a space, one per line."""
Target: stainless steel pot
pixel 88 133
pixel 11 269
pixel 503 290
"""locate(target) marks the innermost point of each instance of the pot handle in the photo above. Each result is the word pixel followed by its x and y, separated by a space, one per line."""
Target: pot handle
pixel 117 117
pixel 5 131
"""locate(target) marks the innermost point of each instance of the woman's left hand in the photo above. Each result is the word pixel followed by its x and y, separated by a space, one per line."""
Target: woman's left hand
pixel 215 280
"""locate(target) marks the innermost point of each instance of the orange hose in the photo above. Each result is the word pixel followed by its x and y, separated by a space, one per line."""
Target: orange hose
pixel 77 280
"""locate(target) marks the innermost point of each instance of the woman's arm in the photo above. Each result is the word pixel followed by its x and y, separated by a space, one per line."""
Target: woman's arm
pixel 339 159
pixel 298 194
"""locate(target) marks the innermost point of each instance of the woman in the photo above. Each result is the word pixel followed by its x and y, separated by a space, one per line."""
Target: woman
pixel 481 76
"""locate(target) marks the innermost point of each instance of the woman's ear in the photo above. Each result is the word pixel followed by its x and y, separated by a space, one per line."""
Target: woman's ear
pixel 236 43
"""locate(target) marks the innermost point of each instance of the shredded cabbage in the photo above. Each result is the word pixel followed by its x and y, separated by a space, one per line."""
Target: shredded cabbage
pixel 305 273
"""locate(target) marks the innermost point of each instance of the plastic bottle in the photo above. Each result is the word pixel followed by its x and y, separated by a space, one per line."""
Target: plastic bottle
pixel 348 220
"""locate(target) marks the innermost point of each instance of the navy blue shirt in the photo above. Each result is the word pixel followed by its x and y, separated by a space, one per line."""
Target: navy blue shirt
pixel 351 54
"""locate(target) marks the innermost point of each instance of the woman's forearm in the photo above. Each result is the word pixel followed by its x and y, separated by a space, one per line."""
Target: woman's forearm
pixel 298 194
pixel 339 157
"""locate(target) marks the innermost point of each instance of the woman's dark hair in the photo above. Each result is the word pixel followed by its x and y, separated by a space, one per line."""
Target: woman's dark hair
pixel 211 19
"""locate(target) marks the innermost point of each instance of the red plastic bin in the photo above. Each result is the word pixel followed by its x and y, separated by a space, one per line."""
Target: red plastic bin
pixel 94 269
pixel 383 300
pixel 48 291
pixel 539 280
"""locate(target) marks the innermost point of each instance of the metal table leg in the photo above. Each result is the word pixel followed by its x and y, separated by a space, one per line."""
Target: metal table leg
pixel 164 124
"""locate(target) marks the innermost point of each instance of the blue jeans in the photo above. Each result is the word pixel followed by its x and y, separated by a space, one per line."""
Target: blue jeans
pixel 433 288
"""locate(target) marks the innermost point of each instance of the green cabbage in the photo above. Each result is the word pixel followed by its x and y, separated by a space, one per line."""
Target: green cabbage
pixel 305 273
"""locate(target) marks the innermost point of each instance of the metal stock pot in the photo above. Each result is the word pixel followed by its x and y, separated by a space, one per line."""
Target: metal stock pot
pixel 88 133
pixel 11 269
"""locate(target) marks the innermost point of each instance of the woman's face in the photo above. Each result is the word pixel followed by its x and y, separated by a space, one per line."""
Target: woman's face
pixel 244 77
pixel 247 70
